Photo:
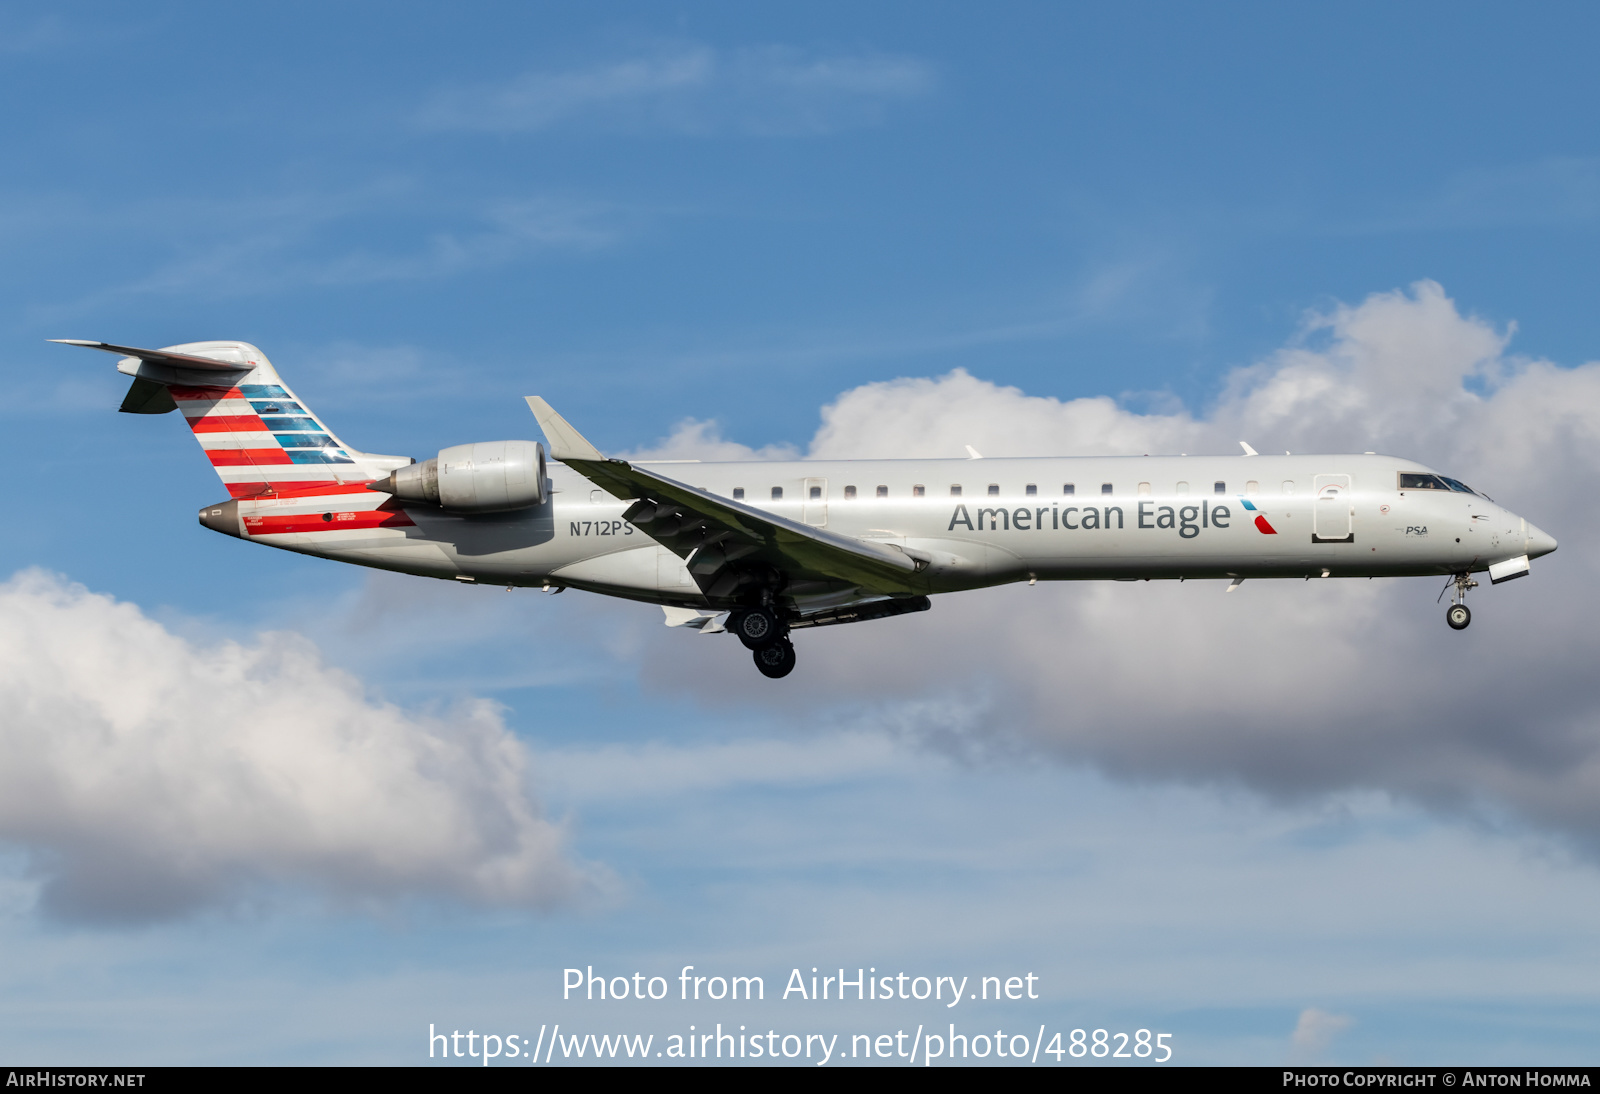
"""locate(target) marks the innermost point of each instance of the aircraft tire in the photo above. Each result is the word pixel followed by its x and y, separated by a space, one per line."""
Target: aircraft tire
pixel 756 628
pixel 776 660
pixel 1458 617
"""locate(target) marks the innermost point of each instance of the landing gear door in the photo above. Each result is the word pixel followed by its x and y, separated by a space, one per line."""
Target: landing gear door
pixel 1333 511
pixel 814 504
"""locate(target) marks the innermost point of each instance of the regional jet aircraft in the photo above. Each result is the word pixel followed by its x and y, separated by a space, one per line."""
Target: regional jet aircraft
pixel 763 549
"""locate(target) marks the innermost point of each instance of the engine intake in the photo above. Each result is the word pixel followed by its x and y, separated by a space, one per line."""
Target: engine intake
pixel 487 477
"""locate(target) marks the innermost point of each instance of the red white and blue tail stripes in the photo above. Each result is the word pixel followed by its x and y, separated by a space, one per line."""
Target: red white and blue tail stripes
pixel 259 436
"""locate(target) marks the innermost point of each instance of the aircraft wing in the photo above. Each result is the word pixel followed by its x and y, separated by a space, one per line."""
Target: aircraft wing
pixel 722 540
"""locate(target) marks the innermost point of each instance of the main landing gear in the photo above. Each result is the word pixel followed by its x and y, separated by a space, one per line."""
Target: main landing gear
pixel 1457 614
pixel 766 637
pixel 777 660
pixel 756 627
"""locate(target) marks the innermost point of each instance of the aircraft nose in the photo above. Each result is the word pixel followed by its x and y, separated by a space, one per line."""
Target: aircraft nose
pixel 1539 543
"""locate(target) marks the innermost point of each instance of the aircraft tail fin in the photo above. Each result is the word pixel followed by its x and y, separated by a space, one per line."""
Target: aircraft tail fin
pixel 255 431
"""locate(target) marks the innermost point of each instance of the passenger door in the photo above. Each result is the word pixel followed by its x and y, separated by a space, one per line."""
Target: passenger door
pixel 1333 510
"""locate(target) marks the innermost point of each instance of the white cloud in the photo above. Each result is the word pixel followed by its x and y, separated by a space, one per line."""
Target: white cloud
pixel 693 89
pixel 535 100
pixel 504 233
pixel 1287 687
pixel 932 418
pixel 1315 1031
pixel 655 769
pixel 365 235
pixel 148 776
pixel 693 439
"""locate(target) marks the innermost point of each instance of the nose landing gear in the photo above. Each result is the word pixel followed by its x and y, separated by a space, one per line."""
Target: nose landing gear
pixel 1457 614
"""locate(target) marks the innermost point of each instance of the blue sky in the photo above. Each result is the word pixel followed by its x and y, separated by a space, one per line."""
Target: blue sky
pixel 835 230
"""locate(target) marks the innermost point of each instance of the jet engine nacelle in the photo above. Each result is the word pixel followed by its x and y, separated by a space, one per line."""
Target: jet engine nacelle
pixel 487 477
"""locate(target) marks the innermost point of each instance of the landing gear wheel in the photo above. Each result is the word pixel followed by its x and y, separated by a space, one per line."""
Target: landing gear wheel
pixel 1458 617
pixel 756 628
pixel 777 660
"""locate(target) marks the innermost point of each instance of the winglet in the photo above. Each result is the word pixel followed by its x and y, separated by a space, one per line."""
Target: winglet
pixel 1248 451
pixel 566 443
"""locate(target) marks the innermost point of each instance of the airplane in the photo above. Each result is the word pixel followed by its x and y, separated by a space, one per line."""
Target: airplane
pixel 765 548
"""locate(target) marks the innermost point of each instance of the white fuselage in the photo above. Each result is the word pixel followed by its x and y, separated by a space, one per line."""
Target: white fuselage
pixel 980 522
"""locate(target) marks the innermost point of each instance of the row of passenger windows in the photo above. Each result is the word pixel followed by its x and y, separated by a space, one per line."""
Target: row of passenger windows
pixel 1031 490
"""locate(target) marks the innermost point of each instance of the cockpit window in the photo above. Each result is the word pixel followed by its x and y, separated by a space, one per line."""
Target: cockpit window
pixel 1433 482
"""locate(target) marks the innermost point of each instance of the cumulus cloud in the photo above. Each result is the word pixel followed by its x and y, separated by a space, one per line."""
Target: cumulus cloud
pixel 694 89
pixel 696 439
pixel 1290 688
pixel 148 776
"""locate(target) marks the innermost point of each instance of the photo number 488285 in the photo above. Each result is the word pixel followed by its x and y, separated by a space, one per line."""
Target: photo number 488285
pixel 1142 1045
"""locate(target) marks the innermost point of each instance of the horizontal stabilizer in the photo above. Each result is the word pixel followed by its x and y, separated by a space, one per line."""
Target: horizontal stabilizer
pixel 159 356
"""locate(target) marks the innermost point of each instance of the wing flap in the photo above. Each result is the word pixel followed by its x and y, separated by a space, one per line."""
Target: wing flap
pixel 695 522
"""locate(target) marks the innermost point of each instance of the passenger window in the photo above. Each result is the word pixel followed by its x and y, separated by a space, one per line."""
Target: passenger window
pixel 1252 488
pixel 1068 488
pixel 1144 488
pixel 777 493
pixel 994 489
pixel 738 493
pixel 955 491
pixel 849 492
pixel 1105 488
pixel 1288 486
pixel 816 493
pixel 916 491
pixel 1183 488
pixel 1031 490
pixel 883 491
pixel 1219 488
